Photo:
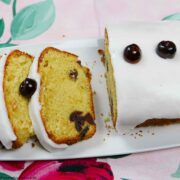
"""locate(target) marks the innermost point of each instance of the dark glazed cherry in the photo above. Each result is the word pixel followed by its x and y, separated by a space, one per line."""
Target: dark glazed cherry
pixel 166 49
pixel 28 87
pixel 132 53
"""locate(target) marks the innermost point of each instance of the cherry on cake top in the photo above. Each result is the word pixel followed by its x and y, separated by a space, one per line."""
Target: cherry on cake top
pixel 132 53
pixel 166 49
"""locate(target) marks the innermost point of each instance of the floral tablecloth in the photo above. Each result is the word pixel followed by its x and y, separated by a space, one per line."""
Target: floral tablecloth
pixel 51 20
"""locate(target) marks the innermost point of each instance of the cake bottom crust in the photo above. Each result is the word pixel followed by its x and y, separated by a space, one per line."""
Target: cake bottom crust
pixel 158 122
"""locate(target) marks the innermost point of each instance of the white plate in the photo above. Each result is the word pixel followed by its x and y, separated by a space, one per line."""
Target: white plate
pixel 106 141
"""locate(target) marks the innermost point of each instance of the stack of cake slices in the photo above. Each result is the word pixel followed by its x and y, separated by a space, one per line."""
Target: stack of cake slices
pixel 49 97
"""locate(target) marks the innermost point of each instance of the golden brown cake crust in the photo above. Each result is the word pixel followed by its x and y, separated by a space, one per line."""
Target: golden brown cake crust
pixel 45 51
pixel 17 53
pixel 72 140
pixel 76 138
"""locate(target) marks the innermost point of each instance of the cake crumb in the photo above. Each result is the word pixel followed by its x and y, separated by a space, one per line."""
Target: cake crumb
pixel 101 114
pixel 131 134
pixel 100 52
pixel 107 119
pixel 152 133
pixel 63 35
pixel 108 127
pixel 124 134
pixel 94 62
pixel 94 92
pixel 140 131
pixel 33 145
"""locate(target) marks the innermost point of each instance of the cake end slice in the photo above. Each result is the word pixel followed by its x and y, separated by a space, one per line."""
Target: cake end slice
pixel 15 71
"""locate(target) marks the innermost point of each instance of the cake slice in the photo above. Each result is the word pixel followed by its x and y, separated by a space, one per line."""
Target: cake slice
pixel 16 69
pixel 65 98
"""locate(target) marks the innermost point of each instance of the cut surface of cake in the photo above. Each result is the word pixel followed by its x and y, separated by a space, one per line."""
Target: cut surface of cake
pixel 143 78
pixel 111 85
pixel 16 69
pixel 66 113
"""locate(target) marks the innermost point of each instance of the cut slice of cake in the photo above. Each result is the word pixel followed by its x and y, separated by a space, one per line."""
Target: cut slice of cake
pixel 66 112
pixel 16 69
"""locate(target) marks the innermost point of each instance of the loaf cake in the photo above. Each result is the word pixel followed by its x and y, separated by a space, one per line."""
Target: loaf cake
pixel 143 77
pixel 61 108
pixel 15 120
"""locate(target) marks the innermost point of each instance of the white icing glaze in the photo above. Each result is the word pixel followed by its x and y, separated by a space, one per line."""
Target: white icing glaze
pixel 34 110
pixel 6 132
pixel 150 88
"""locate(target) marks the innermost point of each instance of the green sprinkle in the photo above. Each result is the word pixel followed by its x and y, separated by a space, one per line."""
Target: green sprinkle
pixel 107 119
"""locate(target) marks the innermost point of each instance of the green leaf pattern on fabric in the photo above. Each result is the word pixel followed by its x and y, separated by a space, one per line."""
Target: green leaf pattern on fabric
pixel 177 173
pixel 7 45
pixel 175 16
pixel 6 1
pixel 14 7
pixel 4 176
pixel 33 20
pixel 1 27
